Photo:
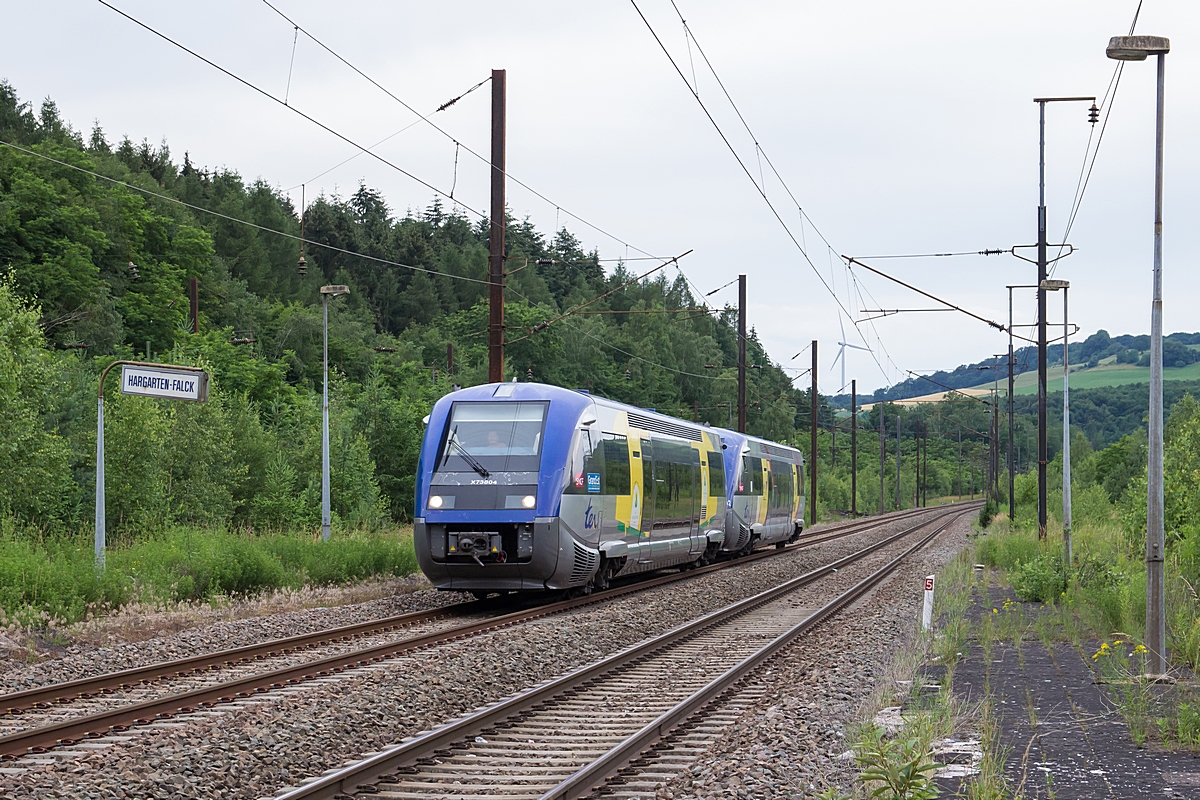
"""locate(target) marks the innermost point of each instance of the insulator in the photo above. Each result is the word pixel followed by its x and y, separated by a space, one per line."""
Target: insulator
pixel 1093 114
pixel 628 375
pixel 302 266
pixel 133 271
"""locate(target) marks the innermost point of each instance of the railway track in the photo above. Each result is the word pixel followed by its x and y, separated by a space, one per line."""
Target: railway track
pixel 571 736
pixel 116 715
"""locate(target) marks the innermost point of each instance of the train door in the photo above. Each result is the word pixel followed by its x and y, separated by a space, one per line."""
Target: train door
pixel 781 497
pixel 674 491
pixel 645 546
pixel 699 503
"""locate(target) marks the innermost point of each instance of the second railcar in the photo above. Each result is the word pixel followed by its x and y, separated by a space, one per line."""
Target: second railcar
pixel 765 489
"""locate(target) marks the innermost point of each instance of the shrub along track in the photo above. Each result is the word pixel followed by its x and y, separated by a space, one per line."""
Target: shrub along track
pixel 103 690
pixel 567 737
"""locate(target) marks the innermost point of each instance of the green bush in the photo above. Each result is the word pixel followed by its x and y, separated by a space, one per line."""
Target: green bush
pixel 989 510
pixel 1042 580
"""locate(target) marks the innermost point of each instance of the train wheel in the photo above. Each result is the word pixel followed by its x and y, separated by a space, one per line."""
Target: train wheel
pixel 780 545
pixel 601 581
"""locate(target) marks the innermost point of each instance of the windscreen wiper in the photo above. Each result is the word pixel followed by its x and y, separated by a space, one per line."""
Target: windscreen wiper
pixel 472 462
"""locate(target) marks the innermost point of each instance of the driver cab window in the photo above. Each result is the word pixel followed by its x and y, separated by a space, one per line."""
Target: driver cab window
pixel 587 463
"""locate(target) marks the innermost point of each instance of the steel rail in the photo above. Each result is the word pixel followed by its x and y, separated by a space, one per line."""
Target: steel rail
pixel 362 777
pixel 44 697
pixel 68 732
pixel 589 778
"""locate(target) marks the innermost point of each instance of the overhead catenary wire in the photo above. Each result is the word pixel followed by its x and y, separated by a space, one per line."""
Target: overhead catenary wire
pixel 1082 183
pixel 376 156
pixel 762 155
pixel 936 299
pixel 508 175
pixel 291 108
pixel 346 139
pixel 394 134
pixel 741 163
pixel 993 252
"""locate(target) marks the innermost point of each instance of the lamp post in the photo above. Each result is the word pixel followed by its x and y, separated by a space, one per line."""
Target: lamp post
pixel 1137 48
pixel 1054 286
pixel 326 293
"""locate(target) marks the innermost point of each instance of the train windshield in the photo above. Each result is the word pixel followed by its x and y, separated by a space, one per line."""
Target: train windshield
pixel 503 436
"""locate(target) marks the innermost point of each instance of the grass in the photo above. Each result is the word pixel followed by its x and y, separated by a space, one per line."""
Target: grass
pixel 1098 604
pixel 1104 375
pixel 49 582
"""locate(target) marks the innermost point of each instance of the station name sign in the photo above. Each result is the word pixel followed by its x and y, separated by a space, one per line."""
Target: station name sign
pixel 172 384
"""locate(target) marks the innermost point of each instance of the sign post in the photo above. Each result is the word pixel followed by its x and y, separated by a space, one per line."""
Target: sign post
pixel 927 608
pixel 147 380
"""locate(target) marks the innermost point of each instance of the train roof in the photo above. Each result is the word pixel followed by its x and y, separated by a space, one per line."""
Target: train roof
pixel 758 446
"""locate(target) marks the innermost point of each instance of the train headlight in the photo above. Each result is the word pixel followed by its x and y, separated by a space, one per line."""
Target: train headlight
pixel 435 501
pixel 529 501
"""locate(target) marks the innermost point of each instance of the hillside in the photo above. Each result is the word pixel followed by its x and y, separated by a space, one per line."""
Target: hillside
pixel 1098 360
pixel 98 242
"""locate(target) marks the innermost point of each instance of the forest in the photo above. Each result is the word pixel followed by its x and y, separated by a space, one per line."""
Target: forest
pixel 99 241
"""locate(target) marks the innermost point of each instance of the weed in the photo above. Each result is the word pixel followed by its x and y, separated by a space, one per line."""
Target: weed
pixel 895 769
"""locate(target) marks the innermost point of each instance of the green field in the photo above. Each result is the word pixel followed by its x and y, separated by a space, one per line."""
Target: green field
pixel 1098 377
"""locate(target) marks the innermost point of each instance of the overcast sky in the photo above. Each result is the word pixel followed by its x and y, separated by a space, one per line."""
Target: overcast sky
pixel 899 127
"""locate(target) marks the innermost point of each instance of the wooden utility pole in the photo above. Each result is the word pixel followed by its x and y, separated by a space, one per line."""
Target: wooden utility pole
pixel 496 234
pixel 741 399
pixel 924 465
pixel 195 297
pixel 854 448
pixel 960 465
pixel 812 457
pixel 898 450
pixel 916 486
pixel 882 455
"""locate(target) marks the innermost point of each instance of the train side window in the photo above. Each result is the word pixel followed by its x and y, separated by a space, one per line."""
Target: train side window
pixel 751 482
pixel 616 464
pixel 716 474
pixel 587 465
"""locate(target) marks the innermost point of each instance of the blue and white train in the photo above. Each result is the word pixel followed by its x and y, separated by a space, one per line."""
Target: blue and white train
pixel 529 487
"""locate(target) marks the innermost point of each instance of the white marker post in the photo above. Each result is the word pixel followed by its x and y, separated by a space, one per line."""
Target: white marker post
pixel 147 380
pixel 927 608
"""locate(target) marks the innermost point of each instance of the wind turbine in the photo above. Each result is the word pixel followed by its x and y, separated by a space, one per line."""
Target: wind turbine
pixel 842 345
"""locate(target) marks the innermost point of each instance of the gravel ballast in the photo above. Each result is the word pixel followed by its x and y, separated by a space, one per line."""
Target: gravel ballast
pixel 279 739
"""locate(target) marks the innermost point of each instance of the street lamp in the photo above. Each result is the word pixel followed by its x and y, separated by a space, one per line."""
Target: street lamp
pixel 1137 48
pixel 1054 286
pixel 326 293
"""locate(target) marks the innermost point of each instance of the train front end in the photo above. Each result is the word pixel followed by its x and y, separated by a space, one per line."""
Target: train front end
pixel 489 488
